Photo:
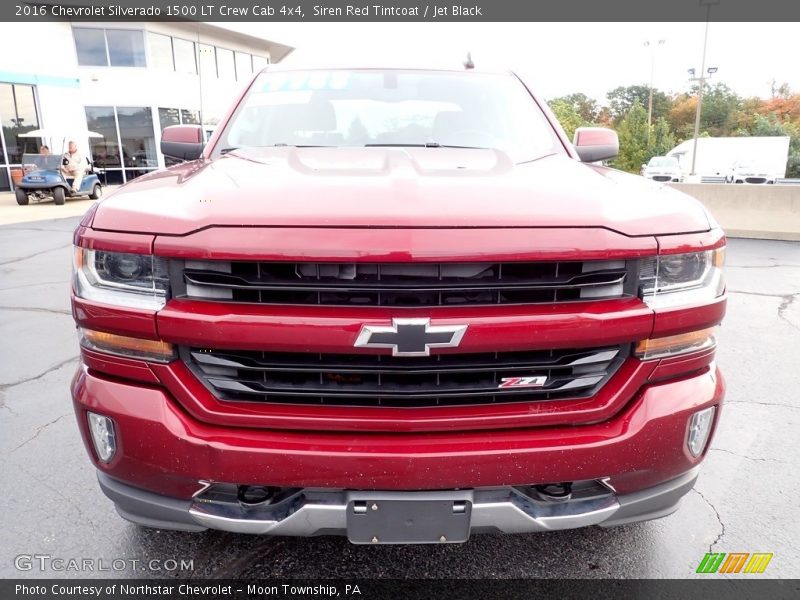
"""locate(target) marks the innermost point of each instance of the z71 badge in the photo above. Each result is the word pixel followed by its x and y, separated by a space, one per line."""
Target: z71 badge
pixel 523 382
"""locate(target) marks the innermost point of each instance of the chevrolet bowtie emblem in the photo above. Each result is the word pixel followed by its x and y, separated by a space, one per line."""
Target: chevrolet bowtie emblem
pixel 410 337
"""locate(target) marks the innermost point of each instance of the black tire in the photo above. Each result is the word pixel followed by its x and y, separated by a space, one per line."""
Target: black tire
pixel 22 197
pixel 97 192
pixel 58 196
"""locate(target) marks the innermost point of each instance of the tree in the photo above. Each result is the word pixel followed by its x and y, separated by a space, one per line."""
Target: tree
pixel 681 116
pixel 721 108
pixel 621 100
pixel 567 115
pixel 586 107
pixel 633 147
pixel 661 139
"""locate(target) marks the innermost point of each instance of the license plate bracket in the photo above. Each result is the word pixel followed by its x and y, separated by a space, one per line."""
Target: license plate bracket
pixel 408 520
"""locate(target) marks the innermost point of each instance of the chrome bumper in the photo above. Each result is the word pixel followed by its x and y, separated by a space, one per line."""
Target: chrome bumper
pixel 323 512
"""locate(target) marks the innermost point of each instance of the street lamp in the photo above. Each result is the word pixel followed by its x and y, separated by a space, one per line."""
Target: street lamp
pixel 702 79
pixel 652 47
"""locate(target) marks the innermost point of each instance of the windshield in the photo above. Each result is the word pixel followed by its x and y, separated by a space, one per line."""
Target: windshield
pixel 390 108
pixel 40 162
pixel 663 161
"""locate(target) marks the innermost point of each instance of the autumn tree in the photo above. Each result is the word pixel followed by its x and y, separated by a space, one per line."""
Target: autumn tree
pixel 586 107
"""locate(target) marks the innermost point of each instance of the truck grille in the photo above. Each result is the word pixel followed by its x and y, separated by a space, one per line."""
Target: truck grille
pixel 403 284
pixel 383 380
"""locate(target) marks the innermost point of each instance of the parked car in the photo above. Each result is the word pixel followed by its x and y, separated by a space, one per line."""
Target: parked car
pixel 663 168
pixel 399 305
pixel 749 172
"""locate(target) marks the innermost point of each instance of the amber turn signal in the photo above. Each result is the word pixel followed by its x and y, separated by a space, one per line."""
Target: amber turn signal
pixel 129 347
pixel 675 344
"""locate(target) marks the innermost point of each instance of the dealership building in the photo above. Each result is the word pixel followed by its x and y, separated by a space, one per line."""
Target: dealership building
pixel 124 81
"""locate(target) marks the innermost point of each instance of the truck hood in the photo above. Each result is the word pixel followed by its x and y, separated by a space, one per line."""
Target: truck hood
pixel 395 187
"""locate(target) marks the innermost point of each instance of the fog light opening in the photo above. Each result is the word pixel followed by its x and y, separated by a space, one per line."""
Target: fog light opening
pixel 103 436
pixel 699 430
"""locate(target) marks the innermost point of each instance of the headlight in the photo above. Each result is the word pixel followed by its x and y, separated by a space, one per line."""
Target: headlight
pixel 135 280
pixel 678 279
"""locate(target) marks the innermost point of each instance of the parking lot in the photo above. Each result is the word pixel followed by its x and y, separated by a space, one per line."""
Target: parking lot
pixel 745 500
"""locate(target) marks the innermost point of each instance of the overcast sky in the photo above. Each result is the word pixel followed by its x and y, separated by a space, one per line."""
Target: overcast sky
pixel 560 58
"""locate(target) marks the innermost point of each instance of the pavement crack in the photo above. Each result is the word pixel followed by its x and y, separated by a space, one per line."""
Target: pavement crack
pixel 39 430
pixel 39 284
pixel 55 367
pixel 772 266
pixel 38 309
pixel 762 294
pixel 762 403
pixel 786 302
pixel 719 520
pixel 753 458
pixel 40 252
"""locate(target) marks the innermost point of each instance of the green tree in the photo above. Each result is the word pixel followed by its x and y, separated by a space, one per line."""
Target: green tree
pixel 567 115
pixel 633 146
pixel 622 98
pixel 720 110
pixel 661 139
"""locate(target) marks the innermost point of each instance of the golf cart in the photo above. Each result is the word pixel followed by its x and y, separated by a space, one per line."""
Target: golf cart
pixel 42 176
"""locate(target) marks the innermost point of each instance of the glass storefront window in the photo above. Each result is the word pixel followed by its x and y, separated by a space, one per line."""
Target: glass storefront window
pixel 185 61
pixel 225 64
pixel 244 66
pixel 18 115
pixel 91 47
pixel 138 141
pixel 161 52
pixel 125 47
pixel 7 112
pixel 168 116
pixel 105 150
pixel 190 117
pixel 208 61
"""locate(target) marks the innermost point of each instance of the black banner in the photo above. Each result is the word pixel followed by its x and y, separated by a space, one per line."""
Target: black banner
pixel 401 10
pixel 742 588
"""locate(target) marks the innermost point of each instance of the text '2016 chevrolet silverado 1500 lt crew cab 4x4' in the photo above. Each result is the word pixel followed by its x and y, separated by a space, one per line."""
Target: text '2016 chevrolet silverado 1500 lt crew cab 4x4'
pixel 398 305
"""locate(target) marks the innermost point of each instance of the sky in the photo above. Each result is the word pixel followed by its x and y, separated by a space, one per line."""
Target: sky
pixel 561 58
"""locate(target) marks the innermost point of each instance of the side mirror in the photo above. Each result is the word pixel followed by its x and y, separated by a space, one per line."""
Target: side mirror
pixel 644 166
pixel 596 143
pixel 182 142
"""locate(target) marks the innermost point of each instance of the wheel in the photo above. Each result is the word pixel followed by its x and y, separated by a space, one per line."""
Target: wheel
pixel 58 196
pixel 97 192
pixel 22 197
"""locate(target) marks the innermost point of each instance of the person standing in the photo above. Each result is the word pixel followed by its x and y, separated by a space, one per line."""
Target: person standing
pixel 73 166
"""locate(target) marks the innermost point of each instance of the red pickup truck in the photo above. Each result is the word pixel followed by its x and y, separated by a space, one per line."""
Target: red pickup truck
pixel 399 305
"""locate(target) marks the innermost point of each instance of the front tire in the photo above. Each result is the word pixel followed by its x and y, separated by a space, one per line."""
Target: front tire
pixel 22 197
pixel 97 192
pixel 58 196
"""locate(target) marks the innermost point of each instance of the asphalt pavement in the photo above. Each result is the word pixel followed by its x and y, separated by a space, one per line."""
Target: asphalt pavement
pixel 745 501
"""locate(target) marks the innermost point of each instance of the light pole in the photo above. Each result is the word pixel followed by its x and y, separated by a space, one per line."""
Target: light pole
pixel 652 47
pixel 702 79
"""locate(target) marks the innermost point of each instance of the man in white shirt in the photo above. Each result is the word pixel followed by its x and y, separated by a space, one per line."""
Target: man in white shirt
pixel 73 166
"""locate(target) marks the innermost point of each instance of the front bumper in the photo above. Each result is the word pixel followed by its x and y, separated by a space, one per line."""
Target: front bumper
pixel 320 512
pixel 164 450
